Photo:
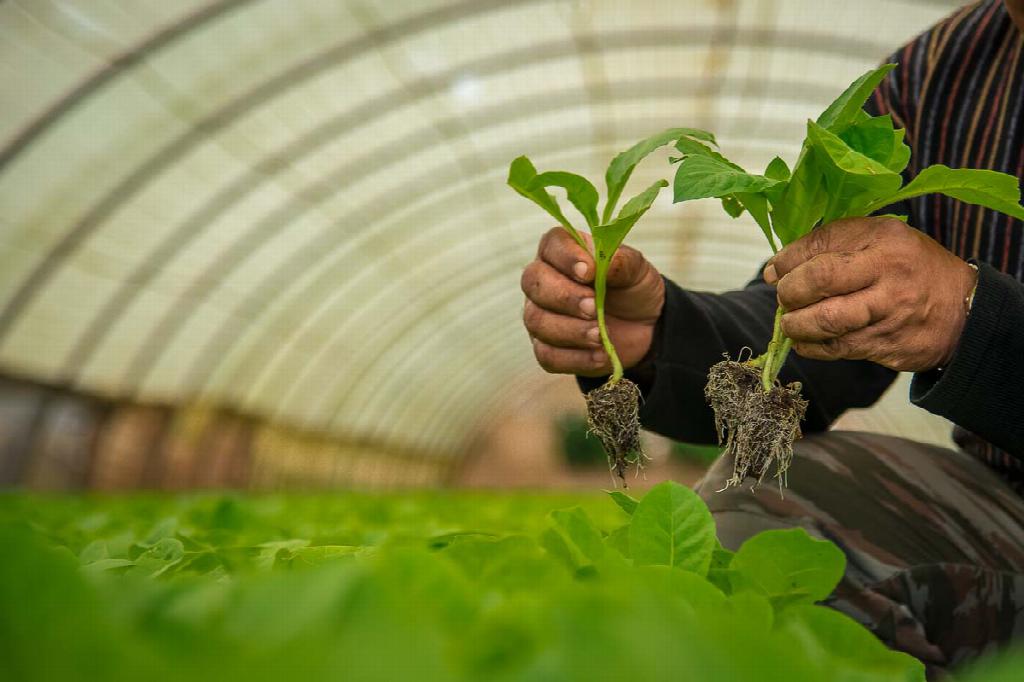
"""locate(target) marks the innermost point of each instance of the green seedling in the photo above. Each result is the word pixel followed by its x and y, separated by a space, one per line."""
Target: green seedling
pixel 850 165
pixel 612 409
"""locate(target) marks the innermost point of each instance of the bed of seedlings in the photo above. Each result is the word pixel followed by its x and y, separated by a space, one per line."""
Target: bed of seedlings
pixel 417 587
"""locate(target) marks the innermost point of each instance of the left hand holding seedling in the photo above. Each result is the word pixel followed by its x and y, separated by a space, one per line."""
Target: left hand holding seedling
pixel 872 289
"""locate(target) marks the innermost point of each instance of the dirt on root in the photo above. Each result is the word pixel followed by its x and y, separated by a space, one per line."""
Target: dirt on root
pixel 613 415
pixel 757 427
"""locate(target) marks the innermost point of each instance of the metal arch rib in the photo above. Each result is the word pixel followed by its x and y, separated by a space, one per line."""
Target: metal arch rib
pixel 177 148
pixel 178 237
pixel 89 87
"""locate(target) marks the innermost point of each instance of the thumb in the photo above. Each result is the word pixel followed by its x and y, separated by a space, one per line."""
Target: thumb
pixel 627 268
pixel 847 234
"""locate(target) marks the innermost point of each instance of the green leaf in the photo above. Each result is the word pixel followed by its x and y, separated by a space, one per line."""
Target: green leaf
pixel 800 203
pixel 852 180
pixel 997 191
pixel 835 638
pixel 639 204
pixel 672 527
pixel 877 138
pixel 582 194
pixel 845 109
pixel 704 597
pixel 607 238
pixel 102 565
pixel 160 558
pixel 691 147
pixel 582 539
pixel 732 206
pixel 621 167
pixel 718 570
pixel 520 176
pixel 618 540
pixel 779 563
pixel 757 206
pixel 701 177
pixel 626 502
pixel 777 170
pixel 753 608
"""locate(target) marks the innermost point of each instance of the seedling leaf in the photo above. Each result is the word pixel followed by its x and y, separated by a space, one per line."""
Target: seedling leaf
pixel 691 147
pixel 877 138
pixel 852 179
pixel 702 177
pixel 831 635
pixel 997 191
pixel 607 238
pixel 777 170
pixel 521 174
pixel 583 540
pixel 785 563
pixel 847 107
pixel 626 503
pixel 672 527
pixel 621 167
pixel 580 191
pixel 801 203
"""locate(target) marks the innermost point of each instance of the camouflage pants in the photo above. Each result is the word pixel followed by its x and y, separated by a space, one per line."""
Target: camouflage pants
pixel 934 540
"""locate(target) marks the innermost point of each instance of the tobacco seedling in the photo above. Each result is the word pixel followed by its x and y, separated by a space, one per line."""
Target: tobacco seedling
pixel 612 409
pixel 850 165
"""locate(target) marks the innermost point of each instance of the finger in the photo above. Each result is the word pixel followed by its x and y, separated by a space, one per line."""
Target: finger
pixel 848 234
pixel 829 274
pixel 555 292
pixel 559 250
pixel 570 360
pixel 562 331
pixel 858 345
pixel 833 317
pixel 628 268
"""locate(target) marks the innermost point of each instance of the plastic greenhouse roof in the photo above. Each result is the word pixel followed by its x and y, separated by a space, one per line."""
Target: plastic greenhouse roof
pixel 297 208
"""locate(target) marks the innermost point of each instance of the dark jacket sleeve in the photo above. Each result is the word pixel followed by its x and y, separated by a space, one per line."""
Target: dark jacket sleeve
pixel 980 389
pixel 698 329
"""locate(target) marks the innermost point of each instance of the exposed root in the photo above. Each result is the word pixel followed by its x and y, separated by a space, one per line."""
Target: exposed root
pixel 613 415
pixel 757 427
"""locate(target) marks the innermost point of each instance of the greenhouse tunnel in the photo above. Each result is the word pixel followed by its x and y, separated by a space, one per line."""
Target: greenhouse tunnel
pixel 268 243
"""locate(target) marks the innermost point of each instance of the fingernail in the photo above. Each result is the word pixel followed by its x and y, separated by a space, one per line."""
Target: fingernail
pixel 600 357
pixel 770 275
pixel 580 269
pixel 594 335
pixel 588 307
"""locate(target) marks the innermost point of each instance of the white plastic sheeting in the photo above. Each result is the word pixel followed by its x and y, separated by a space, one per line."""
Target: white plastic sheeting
pixel 297 208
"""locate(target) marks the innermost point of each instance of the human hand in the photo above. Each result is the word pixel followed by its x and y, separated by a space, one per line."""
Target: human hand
pixel 560 313
pixel 872 289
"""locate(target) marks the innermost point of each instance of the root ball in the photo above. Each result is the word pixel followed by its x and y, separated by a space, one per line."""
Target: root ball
pixel 757 427
pixel 613 415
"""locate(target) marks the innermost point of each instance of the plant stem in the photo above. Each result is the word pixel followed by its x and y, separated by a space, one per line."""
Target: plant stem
pixel 778 349
pixel 600 289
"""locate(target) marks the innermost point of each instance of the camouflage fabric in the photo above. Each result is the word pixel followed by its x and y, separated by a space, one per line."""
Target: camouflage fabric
pixel 934 539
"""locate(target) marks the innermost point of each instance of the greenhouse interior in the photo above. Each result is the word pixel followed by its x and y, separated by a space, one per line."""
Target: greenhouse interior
pixel 295 377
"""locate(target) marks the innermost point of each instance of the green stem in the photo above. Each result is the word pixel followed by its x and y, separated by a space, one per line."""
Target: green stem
pixel 778 349
pixel 600 289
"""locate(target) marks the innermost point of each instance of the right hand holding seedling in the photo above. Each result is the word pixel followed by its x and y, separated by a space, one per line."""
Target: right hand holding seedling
pixel 559 312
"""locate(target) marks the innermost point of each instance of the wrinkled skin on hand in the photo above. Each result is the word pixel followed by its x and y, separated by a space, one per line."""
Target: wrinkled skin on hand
pixel 1016 9
pixel 872 289
pixel 559 313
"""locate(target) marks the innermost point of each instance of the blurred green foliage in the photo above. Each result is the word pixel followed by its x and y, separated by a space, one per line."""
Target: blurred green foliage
pixel 696 455
pixel 454 586
pixel 579 448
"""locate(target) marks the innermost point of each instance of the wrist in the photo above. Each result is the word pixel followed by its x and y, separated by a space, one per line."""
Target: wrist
pixel 968 287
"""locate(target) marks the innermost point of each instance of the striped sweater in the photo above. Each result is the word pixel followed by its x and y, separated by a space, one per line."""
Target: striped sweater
pixel 959 92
